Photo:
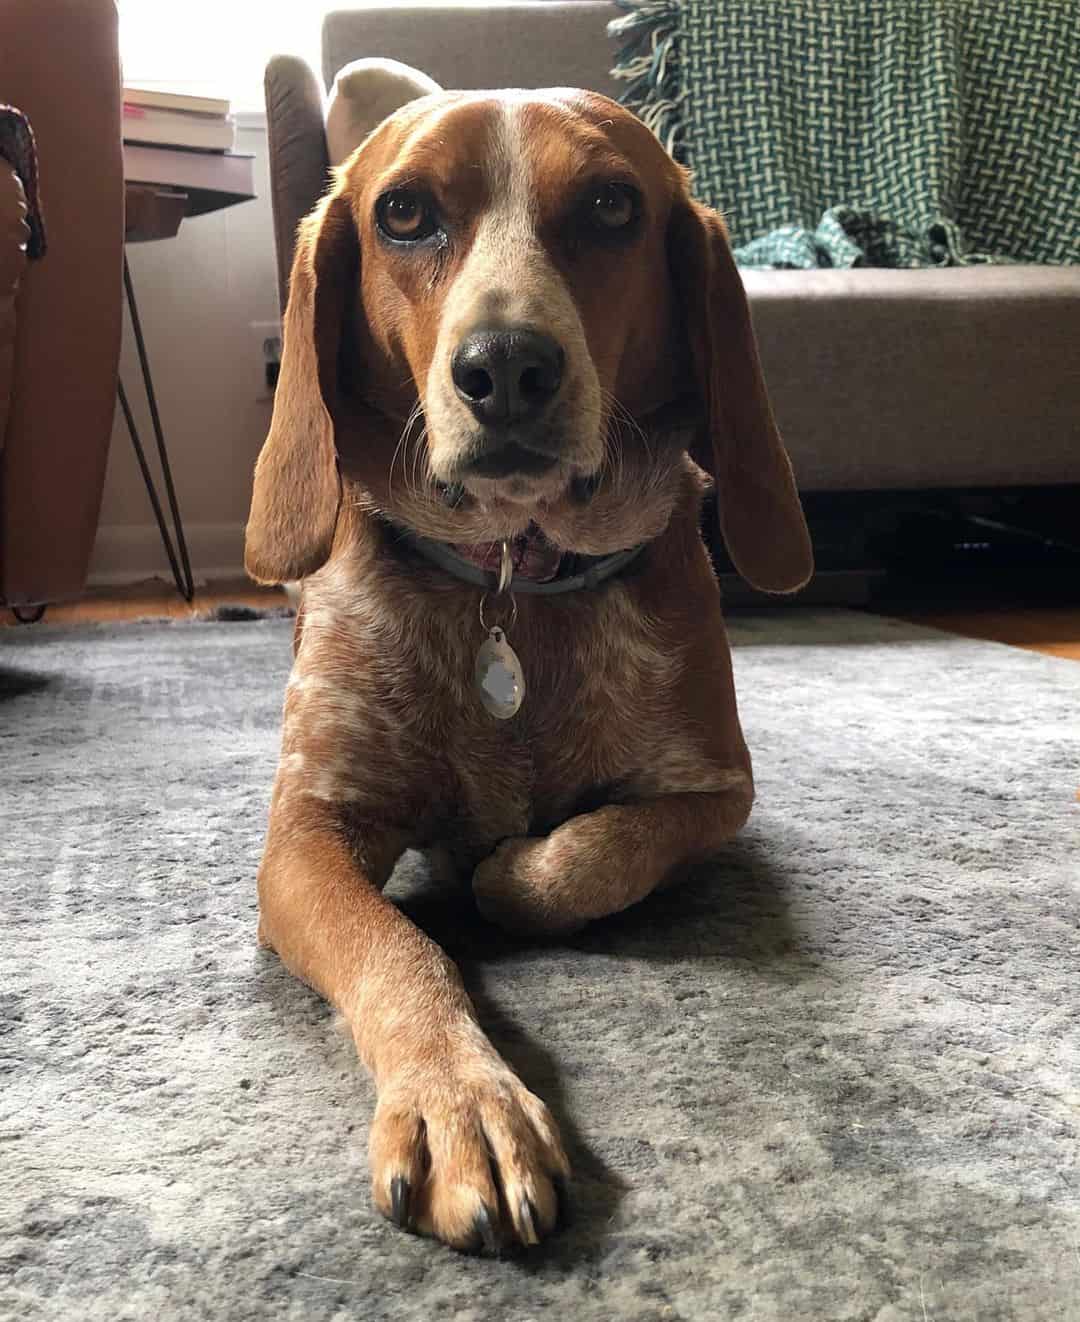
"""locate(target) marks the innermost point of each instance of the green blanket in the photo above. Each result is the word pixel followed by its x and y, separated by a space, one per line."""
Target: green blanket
pixel 869 132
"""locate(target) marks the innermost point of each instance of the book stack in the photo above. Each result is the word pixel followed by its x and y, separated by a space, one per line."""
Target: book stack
pixel 176 119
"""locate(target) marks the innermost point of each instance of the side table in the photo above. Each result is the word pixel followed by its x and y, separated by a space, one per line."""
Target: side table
pixel 163 185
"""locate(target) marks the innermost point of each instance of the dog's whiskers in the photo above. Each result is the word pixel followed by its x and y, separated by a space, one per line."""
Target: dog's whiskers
pixel 623 415
pixel 404 440
pixel 420 462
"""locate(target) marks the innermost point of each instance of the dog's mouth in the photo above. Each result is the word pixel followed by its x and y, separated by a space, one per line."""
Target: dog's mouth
pixel 509 461
pixel 517 490
pixel 525 465
pixel 532 555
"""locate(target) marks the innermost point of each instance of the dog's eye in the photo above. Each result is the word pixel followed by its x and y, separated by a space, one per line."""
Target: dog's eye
pixel 613 206
pixel 405 215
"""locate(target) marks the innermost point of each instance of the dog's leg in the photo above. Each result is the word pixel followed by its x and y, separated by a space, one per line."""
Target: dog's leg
pixel 604 861
pixel 459 1147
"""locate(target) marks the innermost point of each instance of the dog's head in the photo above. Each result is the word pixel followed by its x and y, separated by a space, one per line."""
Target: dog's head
pixel 504 312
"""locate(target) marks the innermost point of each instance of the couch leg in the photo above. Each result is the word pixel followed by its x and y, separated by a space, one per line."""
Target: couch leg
pixel 28 614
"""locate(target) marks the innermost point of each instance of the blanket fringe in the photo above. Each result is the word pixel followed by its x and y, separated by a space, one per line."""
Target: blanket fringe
pixel 648 60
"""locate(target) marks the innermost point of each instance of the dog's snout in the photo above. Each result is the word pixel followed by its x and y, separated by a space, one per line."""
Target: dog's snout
pixel 507 375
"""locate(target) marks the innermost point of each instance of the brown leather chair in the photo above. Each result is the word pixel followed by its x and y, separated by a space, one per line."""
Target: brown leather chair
pixel 60 317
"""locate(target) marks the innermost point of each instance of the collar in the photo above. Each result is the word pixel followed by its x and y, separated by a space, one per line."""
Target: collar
pixel 571 573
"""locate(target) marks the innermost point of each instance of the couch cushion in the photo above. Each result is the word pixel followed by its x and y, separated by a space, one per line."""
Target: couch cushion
pixel 942 377
pixel 546 43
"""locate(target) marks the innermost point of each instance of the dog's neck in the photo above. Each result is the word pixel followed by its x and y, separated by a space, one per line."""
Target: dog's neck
pixel 539 567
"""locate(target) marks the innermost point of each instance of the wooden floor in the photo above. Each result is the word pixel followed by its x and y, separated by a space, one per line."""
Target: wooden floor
pixel 1055 631
pixel 156 599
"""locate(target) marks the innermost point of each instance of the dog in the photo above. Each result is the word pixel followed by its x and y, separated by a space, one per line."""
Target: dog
pixel 515 353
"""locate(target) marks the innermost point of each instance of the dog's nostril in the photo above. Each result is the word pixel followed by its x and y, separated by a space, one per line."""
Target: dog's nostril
pixel 476 385
pixel 531 383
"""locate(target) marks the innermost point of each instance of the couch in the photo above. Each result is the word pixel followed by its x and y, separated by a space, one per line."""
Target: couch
pixel 881 379
pixel 60 317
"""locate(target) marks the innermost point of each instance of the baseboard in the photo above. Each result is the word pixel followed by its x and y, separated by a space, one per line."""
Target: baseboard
pixel 129 553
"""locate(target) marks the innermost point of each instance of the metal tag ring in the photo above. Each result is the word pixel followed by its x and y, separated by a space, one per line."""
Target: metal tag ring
pixel 506 570
pixel 513 613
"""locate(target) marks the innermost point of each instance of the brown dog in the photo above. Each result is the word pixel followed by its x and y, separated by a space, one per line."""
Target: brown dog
pixel 508 324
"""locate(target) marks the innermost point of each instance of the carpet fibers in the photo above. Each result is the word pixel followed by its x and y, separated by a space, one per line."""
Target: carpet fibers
pixel 836 1076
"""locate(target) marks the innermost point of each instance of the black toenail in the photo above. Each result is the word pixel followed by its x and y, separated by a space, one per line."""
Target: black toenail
pixel 484 1226
pixel 400 1192
pixel 453 494
pixel 562 1195
pixel 527 1213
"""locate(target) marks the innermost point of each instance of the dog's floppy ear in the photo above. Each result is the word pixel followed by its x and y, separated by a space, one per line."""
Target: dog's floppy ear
pixel 294 505
pixel 760 514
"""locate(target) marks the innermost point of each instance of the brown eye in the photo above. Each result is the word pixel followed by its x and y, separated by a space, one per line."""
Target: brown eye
pixel 405 215
pixel 613 207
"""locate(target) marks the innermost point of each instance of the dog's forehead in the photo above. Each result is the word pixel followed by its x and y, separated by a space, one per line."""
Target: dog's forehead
pixel 559 135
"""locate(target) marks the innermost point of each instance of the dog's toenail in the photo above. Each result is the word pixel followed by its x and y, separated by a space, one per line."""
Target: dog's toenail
pixel 400 1192
pixel 584 488
pixel 484 1225
pixel 562 1196
pixel 528 1218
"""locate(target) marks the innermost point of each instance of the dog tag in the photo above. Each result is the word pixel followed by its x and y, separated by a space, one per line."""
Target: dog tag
pixel 499 678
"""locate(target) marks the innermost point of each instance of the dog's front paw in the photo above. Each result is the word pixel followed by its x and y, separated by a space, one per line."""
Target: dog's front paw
pixel 464 1152
pixel 530 884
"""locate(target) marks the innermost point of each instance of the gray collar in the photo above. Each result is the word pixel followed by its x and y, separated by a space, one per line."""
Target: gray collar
pixel 589 571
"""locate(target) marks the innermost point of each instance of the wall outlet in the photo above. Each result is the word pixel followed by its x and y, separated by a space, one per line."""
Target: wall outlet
pixel 265 356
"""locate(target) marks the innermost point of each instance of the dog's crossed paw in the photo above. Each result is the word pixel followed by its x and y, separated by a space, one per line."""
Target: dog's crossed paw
pixel 534 884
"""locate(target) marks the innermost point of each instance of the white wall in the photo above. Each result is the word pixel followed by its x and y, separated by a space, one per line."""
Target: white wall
pixel 198 295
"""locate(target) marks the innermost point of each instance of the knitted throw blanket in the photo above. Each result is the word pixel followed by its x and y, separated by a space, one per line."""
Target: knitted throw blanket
pixel 869 132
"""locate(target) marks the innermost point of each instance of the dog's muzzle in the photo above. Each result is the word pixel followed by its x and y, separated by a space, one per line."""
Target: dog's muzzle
pixel 509 378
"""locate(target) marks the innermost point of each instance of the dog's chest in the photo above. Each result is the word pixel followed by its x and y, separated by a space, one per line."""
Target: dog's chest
pixel 385 715
pixel 601 722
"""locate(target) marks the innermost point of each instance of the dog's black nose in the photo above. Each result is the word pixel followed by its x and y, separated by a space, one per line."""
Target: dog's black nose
pixel 507 375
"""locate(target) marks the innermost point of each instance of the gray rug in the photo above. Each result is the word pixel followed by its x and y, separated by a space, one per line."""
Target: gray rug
pixel 836 1077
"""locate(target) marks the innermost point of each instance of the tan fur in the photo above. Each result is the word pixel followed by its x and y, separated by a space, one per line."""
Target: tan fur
pixel 627 761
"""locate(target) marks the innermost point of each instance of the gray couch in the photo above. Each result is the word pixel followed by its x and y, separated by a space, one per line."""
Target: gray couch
pixel 880 379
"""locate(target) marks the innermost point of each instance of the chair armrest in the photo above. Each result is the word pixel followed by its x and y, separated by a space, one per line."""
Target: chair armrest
pixel 299 166
pixel 60 64
pixel 14 234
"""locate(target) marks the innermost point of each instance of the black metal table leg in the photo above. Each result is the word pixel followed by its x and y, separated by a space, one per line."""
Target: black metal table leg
pixel 178 557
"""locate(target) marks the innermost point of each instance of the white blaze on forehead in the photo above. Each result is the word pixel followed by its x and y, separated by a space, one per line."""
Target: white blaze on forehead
pixel 507 278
